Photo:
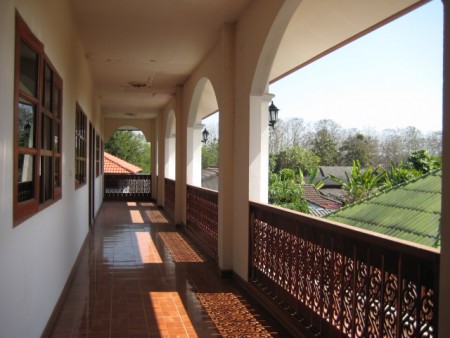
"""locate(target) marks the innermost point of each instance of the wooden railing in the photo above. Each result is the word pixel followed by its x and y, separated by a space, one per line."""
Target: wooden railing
pixel 339 281
pixel 202 217
pixel 169 196
pixel 127 187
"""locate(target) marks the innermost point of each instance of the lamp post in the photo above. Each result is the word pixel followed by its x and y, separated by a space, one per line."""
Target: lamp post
pixel 205 135
pixel 273 114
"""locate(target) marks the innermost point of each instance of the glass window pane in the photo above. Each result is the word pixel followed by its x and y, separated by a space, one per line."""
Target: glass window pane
pixel 28 70
pixel 25 178
pixel 56 98
pixel 47 88
pixel 46 133
pixel 57 173
pixel 56 138
pixel 27 118
pixel 46 179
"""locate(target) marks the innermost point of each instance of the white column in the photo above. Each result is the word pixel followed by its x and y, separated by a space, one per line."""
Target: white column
pixel 154 159
pixel 170 156
pixel 259 148
pixel 226 150
pixel 180 154
pixel 194 155
pixel 161 159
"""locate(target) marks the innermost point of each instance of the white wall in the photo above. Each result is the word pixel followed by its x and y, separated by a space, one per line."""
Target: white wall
pixel 36 257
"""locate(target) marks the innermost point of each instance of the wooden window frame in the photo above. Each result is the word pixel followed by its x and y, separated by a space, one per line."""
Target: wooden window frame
pixel 80 147
pixel 46 150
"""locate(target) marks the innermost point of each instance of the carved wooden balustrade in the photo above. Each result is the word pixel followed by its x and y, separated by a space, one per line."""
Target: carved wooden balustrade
pixel 169 196
pixel 127 187
pixel 339 281
pixel 202 217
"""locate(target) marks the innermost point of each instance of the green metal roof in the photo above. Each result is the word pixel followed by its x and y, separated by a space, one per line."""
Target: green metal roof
pixel 410 212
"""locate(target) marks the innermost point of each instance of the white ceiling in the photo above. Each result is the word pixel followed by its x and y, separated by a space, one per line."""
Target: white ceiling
pixel 157 43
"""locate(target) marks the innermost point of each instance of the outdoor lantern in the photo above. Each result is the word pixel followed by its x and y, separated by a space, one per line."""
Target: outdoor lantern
pixel 205 135
pixel 27 130
pixel 273 114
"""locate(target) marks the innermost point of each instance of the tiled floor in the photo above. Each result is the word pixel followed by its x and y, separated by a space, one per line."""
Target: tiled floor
pixel 140 277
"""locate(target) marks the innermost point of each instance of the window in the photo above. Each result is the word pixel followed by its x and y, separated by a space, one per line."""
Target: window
pixel 37 128
pixel 80 147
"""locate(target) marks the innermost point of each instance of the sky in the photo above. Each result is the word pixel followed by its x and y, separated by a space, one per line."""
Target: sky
pixel 390 78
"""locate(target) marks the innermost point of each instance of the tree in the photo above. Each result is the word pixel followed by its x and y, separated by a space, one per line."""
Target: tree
pixel 325 147
pixel 285 191
pixel 130 146
pixel 210 154
pixel 359 147
pixel 391 146
pixel 289 133
pixel 296 158
pixel 398 174
pixel 421 161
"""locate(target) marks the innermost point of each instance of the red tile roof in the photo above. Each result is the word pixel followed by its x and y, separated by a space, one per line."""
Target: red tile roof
pixel 114 165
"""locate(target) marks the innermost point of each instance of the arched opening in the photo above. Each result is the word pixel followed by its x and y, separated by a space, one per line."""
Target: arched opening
pixel 127 165
pixel 203 104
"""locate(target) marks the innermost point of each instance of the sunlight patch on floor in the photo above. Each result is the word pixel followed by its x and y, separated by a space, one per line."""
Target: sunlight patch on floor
pixel 147 248
pixel 136 216
pixel 170 315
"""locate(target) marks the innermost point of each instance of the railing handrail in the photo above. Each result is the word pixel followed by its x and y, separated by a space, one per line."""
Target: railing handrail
pixel 374 238
pixel 210 191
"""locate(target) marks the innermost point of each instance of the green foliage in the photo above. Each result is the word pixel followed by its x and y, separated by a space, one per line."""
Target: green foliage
pixel 210 154
pixel 130 146
pixel 325 147
pixel 358 147
pixel 296 158
pixel 286 191
pixel 421 161
pixel 361 184
pixel 311 178
pixel 398 174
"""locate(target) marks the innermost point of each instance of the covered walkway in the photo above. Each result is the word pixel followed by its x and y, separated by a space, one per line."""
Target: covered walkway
pixel 139 276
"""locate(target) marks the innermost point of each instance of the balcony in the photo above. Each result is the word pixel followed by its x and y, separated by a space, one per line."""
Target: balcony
pixel 315 277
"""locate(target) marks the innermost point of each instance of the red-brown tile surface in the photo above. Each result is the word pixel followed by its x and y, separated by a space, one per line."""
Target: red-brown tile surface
pixel 140 277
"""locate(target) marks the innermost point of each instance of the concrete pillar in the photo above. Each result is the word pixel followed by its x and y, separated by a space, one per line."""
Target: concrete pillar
pixel 180 171
pixel 226 150
pixel 194 155
pixel 259 148
pixel 170 156
pixel 154 159
pixel 161 159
